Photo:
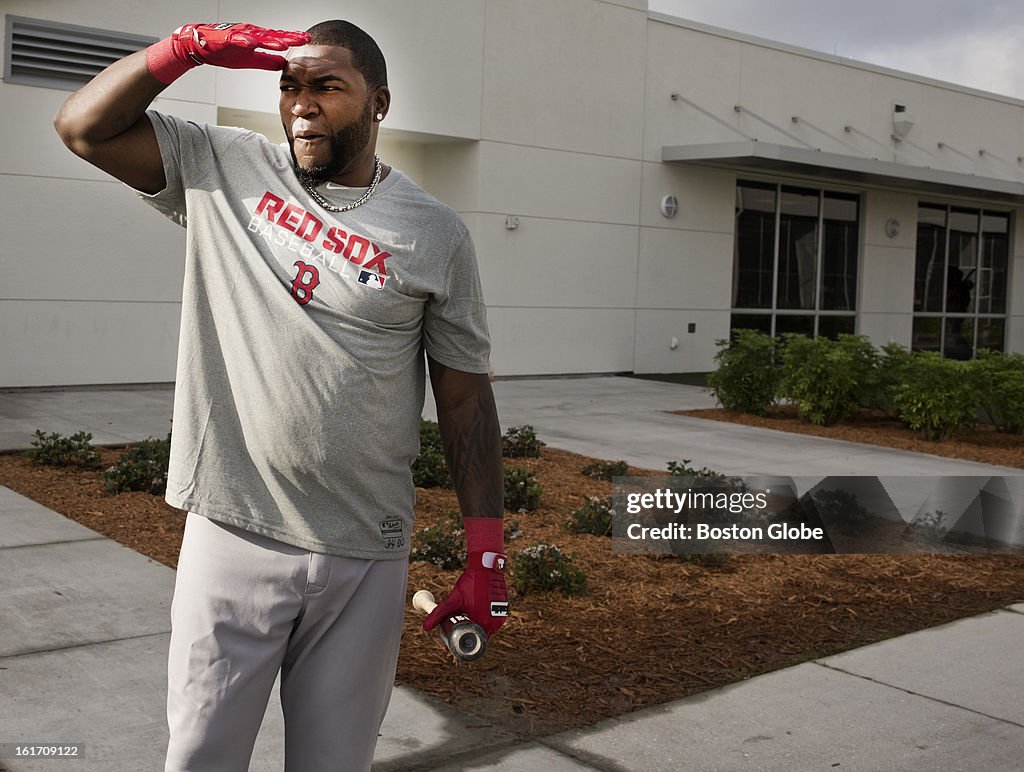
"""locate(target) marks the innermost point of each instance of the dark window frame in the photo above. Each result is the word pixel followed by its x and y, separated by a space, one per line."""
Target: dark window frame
pixel 947 306
pixel 750 294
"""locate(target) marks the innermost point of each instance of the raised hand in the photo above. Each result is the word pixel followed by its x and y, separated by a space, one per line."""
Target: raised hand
pixel 222 45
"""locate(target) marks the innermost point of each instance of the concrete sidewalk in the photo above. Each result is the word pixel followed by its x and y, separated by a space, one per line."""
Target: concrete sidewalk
pixel 84 624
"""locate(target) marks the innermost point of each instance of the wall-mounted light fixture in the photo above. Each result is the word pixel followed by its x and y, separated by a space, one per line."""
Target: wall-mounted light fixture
pixel 892 227
pixel 511 222
pixel 902 122
pixel 669 206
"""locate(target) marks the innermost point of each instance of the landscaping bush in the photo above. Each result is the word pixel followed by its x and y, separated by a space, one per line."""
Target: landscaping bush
pixel 521 442
pixel 522 492
pixel 544 567
pixel 142 467
pixel 827 379
pixel 880 390
pixel 429 468
pixel 594 517
pixel 747 376
pixel 512 530
pixel 683 469
pixel 842 510
pixel 443 545
pixel 999 380
pixel 55 450
pixel 936 396
pixel 928 527
pixel 605 470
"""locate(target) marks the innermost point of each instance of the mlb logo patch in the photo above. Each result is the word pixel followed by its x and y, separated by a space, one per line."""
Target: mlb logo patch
pixel 371 279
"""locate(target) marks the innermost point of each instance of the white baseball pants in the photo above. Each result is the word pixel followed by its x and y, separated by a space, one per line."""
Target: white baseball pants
pixel 245 607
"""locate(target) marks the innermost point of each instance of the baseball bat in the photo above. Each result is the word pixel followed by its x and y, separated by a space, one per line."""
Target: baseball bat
pixel 464 638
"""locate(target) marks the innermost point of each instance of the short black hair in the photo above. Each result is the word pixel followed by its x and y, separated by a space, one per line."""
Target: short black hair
pixel 366 54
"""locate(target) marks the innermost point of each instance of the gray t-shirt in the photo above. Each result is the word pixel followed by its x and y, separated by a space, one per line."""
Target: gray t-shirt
pixel 300 374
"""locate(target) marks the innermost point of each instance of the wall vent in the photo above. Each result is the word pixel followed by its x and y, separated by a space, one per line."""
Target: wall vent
pixel 54 55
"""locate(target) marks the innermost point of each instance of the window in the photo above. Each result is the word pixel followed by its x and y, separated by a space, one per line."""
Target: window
pixel 795 261
pixel 960 280
pixel 65 56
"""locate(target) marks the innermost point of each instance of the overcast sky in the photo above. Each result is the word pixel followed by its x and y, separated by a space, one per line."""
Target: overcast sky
pixel 978 43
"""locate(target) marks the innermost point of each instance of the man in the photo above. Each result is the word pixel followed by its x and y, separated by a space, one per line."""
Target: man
pixel 315 279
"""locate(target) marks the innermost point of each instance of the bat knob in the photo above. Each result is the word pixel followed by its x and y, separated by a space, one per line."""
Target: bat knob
pixel 423 600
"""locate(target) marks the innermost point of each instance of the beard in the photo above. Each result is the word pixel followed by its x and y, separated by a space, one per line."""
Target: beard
pixel 345 147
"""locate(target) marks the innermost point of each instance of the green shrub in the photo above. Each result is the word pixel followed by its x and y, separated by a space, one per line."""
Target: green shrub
pixel 55 450
pixel 605 470
pixel 936 396
pixel 443 545
pixel 142 467
pixel 512 530
pixel 683 469
pixel 880 391
pixel 522 492
pixel 928 527
pixel 842 511
pixel 429 468
pixel 521 442
pixel 544 567
pixel 827 379
pixel 747 376
pixel 594 517
pixel 999 379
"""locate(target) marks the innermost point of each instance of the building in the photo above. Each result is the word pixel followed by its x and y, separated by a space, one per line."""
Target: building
pixel 636 184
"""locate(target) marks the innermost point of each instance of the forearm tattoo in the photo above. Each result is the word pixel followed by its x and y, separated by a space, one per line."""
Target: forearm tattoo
pixel 472 443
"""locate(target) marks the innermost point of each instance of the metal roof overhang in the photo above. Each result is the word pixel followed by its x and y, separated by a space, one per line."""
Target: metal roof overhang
pixel 765 156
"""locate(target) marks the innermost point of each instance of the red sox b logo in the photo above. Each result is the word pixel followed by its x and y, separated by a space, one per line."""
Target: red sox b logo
pixel 305 282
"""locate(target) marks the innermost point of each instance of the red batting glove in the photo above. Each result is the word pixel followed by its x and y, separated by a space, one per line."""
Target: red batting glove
pixel 222 45
pixel 480 593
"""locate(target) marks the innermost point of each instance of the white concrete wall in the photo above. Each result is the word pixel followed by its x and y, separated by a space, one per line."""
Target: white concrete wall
pixel 560 149
pixel 886 272
pixel 718 70
pixel 684 271
pixel 91 278
pixel 452 173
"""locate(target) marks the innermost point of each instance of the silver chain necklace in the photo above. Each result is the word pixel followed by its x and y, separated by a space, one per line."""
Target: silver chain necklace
pixel 377 167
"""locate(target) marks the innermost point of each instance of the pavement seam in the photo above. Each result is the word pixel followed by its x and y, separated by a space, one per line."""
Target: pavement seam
pixel 592 760
pixel 54 543
pixel 415 762
pixel 15 655
pixel 1000 719
pixel 409 763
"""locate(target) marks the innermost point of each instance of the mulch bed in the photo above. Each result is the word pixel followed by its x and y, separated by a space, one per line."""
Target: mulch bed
pixel 649 629
pixel 982 443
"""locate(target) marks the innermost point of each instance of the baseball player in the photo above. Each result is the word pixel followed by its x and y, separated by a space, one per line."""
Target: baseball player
pixel 316 278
